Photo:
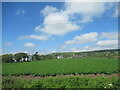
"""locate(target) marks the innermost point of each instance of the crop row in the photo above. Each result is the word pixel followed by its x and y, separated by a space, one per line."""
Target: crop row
pixel 64 82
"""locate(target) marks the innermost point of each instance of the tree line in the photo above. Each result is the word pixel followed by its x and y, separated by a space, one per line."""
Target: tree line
pixel 10 58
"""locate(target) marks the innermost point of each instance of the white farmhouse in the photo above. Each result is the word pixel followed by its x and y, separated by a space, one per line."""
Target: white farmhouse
pixel 59 57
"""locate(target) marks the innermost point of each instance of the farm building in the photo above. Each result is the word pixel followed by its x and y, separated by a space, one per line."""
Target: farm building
pixel 59 57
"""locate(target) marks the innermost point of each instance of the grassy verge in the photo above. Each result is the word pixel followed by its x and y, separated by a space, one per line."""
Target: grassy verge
pixel 62 82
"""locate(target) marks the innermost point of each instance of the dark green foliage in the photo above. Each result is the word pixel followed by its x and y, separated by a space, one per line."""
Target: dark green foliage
pixel 36 56
pixel 19 56
pixel 7 58
pixel 62 82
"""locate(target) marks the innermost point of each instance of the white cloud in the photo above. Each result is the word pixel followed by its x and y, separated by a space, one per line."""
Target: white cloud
pixel 57 24
pixel 60 22
pixel 87 10
pixel 20 12
pixel 86 19
pixel 83 38
pixel 29 44
pixel 8 43
pixel 37 37
pixel 73 7
pixel 109 35
pixel 48 10
pixel 107 43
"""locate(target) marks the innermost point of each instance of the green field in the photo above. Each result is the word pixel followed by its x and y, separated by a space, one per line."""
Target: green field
pixel 88 65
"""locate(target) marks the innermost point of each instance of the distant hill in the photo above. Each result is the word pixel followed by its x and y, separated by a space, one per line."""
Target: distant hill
pixel 110 52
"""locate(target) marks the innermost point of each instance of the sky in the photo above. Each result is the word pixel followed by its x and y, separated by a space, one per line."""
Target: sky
pixel 49 27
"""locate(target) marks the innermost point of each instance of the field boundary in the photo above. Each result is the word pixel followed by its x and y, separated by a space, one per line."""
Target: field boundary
pixel 81 75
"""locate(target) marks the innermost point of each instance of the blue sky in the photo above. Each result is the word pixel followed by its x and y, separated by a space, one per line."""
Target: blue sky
pixel 49 27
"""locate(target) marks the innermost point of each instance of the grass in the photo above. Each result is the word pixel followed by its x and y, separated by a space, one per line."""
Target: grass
pixel 88 65
pixel 62 82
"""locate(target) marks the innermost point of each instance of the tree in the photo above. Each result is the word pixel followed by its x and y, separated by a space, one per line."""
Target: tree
pixel 19 56
pixel 35 56
pixel 7 58
pixel 42 57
